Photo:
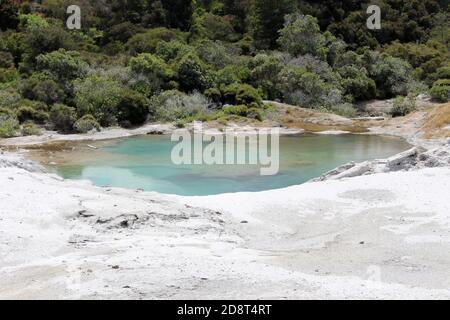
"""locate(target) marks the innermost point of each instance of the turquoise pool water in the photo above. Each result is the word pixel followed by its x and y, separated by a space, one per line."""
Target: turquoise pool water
pixel 145 162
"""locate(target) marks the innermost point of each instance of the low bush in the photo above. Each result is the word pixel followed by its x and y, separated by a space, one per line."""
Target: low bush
pixel 86 123
pixel 63 117
pixel 344 109
pixel 8 123
pixel 45 90
pixel 28 113
pixel 8 75
pixel 238 93
pixel 132 108
pixel 440 90
pixel 174 105
pixel 244 111
pixel 30 129
pixel 148 41
pixel 402 106
pixel 239 110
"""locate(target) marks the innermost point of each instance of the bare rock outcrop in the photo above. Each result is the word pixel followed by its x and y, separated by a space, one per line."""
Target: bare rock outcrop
pixel 414 158
pixel 11 160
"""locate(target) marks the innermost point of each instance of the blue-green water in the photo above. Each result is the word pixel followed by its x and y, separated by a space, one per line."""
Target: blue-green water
pixel 145 163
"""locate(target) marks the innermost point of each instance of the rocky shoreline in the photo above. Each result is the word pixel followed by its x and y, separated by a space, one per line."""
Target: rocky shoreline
pixel 412 159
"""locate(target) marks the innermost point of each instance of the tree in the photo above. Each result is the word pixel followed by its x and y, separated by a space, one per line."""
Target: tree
pixel 391 75
pixel 132 108
pixel 301 35
pixel 152 71
pixel 39 87
pixel 98 96
pixel 357 83
pixel 63 117
pixel 178 13
pixel 264 74
pixel 192 73
pixel 9 18
pixel 441 90
pixel 268 19
pixel 62 65
pixel 148 42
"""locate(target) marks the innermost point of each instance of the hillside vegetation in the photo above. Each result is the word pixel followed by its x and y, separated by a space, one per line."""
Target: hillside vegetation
pixel 181 60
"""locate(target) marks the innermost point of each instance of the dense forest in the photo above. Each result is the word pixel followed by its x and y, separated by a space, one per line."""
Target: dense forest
pixel 181 60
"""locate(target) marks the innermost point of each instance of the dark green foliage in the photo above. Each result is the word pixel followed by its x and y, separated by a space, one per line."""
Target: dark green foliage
pixel 268 19
pixel 8 75
pixel 9 18
pixel 192 73
pixel 86 123
pixel 8 123
pixel 133 108
pixel 63 117
pixel 244 111
pixel 31 112
pixel 441 90
pixel 62 65
pixel 264 74
pixel 98 96
pixel 238 93
pixel 121 32
pixel 6 60
pixel 402 106
pixel 42 89
pixel 30 129
pixel 148 41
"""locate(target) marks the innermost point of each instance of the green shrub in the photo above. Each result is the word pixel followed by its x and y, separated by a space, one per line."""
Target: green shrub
pixel 238 93
pixel 174 105
pixel 244 111
pixel 255 113
pixel 42 89
pixel 62 65
pixel 6 60
pixel 63 117
pixel 25 113
pixel 192 73
pixel 264 74
pixel 86 123
pixel 35 111
pixel 248 95
pixel 213 94
pixel 344 109
pixel 9 97
pixel 441 90
pixel 239 110
pixel 8 123
pixel 153 73
pixel 402 106
pixel 148 41
pixel 98 96
pixel 30 129
pixel 8 75
pixel 443 73
pixel 132 108
pixel 172 50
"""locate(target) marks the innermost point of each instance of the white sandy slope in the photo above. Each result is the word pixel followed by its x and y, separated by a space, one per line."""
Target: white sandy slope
pixel 381 236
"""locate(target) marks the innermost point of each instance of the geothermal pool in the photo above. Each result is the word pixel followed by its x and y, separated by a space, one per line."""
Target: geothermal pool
pixel 144 162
